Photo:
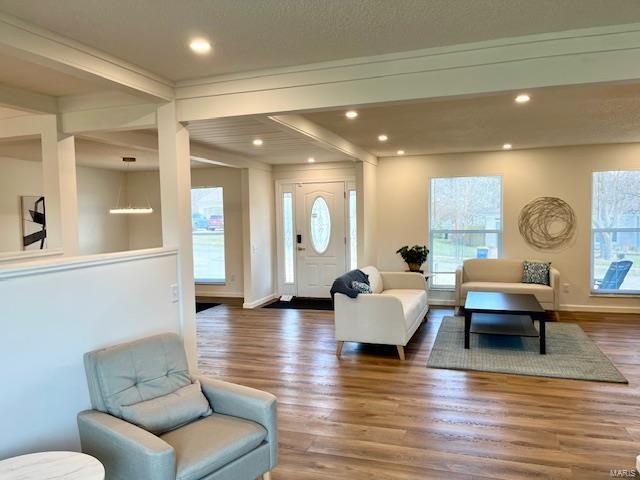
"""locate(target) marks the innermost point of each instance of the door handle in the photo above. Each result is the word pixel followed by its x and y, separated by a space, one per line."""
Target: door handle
pixel 301 248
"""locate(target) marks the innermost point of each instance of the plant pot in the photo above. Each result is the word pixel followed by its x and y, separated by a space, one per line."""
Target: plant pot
pixel 414 267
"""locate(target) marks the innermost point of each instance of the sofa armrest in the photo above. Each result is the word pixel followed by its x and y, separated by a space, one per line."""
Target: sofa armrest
pixel 459 277
pixel 245 402
pixel 404 280
pixel 125 450
pixel 370 318
pixel 554 283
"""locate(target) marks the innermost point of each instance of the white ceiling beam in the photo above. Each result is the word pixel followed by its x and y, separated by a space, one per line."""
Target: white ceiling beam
pixel 582 56
pixel 126 117
pixel 63 54
pixel 199 152
pixel 25 125
pixel 27 101
pixel 325 137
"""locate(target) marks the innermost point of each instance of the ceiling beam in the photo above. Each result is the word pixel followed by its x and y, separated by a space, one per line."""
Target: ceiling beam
pixel 199 152
pixel 591 55
pixel 27 101
pixel 126 117
pixel 55 51
pixel 325 137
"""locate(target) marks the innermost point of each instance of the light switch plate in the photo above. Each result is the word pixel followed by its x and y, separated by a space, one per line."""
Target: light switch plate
pixel 174 293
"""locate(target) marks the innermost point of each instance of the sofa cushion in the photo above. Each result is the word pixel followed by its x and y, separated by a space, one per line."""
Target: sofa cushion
pixel 361 287
pixel 492 270
pixel 536 272
pixel 375 279
pixel 543 293
pixel 413 302
pixel 204 446
pixel 136 371
pixel 170 411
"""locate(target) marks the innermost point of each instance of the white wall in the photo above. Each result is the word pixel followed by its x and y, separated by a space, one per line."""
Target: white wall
pixel 145 231
pixel 99 231
pixel 258 223
pixel 230 180
pixel 403 192
pixel 17 178
pixel 50 319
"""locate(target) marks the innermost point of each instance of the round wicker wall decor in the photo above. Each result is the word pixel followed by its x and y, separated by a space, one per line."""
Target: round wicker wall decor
pixel 547 223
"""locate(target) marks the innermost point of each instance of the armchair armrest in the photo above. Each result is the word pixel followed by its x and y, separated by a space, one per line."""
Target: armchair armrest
pixel 554 283
pixel 370 318
pixel 410 280
pixel 125 450
pixel 244 402
pixel 459 277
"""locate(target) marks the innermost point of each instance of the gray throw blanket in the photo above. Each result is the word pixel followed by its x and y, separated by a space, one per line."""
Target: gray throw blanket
pixel 342 284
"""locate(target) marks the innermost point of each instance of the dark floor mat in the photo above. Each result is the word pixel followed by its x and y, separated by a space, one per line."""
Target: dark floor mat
pixel 303 304
pixel 204 306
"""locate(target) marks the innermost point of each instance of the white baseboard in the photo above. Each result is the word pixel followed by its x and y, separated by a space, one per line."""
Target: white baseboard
pixel 441 302
pixel 260 301
pixel 599 309
pixel 219 294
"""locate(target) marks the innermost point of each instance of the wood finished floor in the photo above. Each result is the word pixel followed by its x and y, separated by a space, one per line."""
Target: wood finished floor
pixel 370 416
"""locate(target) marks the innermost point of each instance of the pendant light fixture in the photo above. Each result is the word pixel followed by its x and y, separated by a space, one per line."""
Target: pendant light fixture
pixel 129 209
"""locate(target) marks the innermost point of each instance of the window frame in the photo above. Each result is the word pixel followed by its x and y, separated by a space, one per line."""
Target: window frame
pixel 593 292
pixel 202 281
pixel 433 232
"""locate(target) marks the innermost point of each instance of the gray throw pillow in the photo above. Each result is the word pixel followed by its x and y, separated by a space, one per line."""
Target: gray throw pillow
pixel 161 414
pixel 536 272
pixel 361 287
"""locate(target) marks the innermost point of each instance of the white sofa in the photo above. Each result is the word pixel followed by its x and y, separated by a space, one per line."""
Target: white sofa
pixel 390 315
pixel 504 275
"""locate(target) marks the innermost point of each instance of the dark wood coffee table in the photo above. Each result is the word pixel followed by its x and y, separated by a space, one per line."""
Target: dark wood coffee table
pixel 495 313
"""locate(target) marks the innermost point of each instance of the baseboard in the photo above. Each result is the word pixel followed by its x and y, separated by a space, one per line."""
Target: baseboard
pixel 440 302
pixel 260 301
pixel 598 309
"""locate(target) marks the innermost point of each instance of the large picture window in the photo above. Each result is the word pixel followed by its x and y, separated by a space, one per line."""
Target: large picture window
pixel 615 222
pixel 465 222
pixel 207 226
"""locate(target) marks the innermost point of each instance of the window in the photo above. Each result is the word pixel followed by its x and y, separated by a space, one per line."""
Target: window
pixel 287 220
pixel 320 225
pixel 615 228
pixel 353 231
pixel 465 222
pixel 207 226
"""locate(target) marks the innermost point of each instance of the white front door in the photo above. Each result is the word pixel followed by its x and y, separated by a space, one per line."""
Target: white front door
pixel 320 240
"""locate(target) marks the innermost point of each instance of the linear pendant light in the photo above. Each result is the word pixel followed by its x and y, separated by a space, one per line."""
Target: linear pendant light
pixel 129 210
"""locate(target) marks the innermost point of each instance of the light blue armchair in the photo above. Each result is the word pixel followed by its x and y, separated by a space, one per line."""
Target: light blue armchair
pixel 236 439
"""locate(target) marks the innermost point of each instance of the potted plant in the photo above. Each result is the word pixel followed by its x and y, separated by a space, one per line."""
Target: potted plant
pixel 414 256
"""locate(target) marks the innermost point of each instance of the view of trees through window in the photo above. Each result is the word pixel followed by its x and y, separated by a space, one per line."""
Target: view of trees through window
pixel 615 224
pixel 207 226
pixel 465 222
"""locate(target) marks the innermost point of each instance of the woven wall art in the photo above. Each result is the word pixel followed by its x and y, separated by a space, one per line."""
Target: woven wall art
pixel 547 223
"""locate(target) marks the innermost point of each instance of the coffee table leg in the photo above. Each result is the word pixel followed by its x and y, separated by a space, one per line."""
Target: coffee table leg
pixel 467 328
pixel 543 337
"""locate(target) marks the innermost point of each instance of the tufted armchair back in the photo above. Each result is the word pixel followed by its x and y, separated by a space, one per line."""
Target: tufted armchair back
pixel 136 371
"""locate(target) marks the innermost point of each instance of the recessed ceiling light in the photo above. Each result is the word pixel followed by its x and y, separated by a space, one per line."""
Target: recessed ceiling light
pixel 200 45
pixel 523 98
pixel 257 142
pixel 507 146
pixel 351 114
pixel 311 159
pixel 383 138
pixel 400 152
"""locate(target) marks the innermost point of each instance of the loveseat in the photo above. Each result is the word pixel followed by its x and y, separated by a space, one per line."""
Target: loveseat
pixel 389 315
pixel 505 276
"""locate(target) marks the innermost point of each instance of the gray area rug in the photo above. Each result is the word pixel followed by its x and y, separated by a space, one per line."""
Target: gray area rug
pixel 570 353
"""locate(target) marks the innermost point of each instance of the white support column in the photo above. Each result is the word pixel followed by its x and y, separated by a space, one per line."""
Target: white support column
pixel 59 187
pixel 366 184
pixel 175 188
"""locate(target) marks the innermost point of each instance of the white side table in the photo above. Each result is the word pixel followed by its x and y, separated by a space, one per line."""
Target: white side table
pixel 52 465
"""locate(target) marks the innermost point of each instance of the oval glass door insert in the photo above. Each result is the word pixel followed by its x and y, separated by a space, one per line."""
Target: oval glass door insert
pixel 320 225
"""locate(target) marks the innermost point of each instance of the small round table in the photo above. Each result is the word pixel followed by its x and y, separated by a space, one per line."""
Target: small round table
pixel 52 465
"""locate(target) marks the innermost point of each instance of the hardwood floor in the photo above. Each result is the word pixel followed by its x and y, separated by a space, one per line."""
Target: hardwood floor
pixel 371 416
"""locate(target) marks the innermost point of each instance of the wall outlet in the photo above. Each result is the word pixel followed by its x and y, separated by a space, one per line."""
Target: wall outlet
pixel 566 287
pixel 173 291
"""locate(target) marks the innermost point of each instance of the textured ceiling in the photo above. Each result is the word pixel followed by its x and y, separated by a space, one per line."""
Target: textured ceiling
pixel 15 72
pixel 554 116
pixel 254 34
pixel 281 145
